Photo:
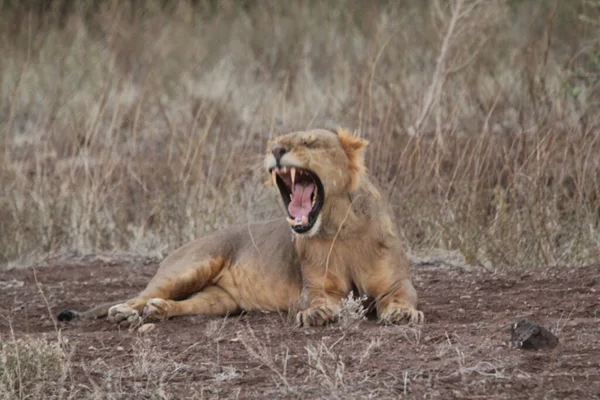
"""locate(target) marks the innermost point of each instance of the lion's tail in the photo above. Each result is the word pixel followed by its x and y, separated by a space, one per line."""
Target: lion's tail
pixel 94 312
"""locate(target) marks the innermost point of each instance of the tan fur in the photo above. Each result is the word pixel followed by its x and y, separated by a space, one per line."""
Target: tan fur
pixel 352 146
pixel 265 266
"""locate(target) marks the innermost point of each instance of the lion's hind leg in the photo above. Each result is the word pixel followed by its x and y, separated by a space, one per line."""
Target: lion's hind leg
pixel 177 278
pixel 213 300
pixel 127 314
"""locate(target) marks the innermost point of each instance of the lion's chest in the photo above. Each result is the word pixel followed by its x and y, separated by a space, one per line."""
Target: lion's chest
pixel 255 288
pixel 342 258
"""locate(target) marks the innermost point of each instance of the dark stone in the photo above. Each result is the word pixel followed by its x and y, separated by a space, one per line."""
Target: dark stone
pixel 531 336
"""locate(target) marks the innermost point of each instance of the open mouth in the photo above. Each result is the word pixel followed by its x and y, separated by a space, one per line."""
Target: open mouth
pixel 302 194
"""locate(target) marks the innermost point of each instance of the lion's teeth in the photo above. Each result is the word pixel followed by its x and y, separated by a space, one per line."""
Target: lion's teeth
pixel 274 176
pixel 314 201
pixel 284 170
pixel 291 196
pixel 298 221
pixel 293 175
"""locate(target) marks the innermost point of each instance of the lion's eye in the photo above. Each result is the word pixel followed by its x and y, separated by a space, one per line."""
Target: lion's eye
pixel 310 143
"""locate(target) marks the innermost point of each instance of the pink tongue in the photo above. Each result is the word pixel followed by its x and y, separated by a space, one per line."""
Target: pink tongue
pixel 301 204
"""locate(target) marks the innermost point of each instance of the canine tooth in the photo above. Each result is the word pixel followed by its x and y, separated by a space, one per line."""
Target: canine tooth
pixel 304 220
pixel 291 221
pixel 284 170
pixel 293 174
pixel 274 175
pixel 314 201
pixel 291 196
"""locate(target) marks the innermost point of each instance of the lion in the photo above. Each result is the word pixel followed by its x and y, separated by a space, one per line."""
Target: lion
pixel 338 237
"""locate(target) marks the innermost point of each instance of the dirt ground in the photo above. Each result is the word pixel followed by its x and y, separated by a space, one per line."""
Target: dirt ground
pixel 462 350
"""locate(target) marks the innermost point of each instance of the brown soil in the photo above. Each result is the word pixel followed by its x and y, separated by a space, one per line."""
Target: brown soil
pixel 462 351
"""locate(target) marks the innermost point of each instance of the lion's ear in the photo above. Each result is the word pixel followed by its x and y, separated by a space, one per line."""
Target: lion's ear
pixel 350 142
pixel 353 147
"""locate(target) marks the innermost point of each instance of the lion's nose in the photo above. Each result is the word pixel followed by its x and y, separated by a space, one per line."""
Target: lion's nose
pixel 278 152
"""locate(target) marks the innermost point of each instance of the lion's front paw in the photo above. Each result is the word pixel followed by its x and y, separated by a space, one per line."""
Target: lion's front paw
pixel 156 309
pixel 316 316
pixel 124 315
pixel 399 312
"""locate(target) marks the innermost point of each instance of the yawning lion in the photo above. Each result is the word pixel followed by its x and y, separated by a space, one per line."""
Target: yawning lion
pixel 338 237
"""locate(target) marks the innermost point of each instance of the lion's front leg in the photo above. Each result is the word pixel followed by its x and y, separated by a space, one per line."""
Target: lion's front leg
pixel 399 311
pixel 322 310
pixel 388 282
pixel 399 304
pixel 321 297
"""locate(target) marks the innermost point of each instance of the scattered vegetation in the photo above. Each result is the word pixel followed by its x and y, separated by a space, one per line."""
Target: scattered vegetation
pixel 32 368
pixel 353 312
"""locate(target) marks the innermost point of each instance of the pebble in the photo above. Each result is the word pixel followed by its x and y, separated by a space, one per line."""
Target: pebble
pixel 146 328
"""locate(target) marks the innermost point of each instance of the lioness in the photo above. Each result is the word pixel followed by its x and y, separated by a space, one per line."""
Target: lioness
pixel 338 237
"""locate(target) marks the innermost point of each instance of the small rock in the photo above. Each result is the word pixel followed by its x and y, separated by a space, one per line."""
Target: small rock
pixel 531 336
pixel 146 328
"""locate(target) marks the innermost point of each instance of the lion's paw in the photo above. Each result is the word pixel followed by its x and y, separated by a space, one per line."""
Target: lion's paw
pixel 156 309
pixel 317 316
pixel 397 313
pixel 124 315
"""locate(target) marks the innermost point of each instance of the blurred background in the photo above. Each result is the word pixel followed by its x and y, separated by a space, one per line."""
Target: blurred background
pixel 134 126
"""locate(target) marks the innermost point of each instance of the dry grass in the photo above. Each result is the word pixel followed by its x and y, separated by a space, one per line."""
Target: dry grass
pixel 353 312
pixel 36 368
pixel 33 368
pixel 136 128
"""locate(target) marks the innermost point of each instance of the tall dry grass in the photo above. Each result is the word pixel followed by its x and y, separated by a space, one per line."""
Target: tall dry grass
pixel 137 126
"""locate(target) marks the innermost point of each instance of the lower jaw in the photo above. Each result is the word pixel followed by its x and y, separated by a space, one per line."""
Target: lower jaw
pixel 302 229
pixel 309 231
pixel 297 221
